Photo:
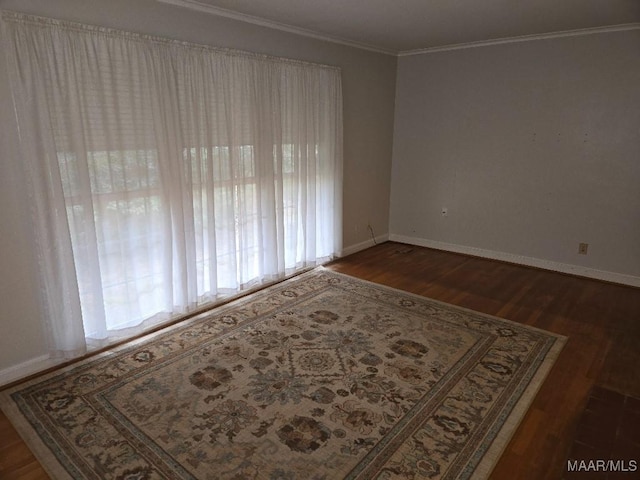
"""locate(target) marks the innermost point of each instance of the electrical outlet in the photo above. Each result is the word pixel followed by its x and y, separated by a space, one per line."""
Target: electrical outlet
pixel 444 211
pixel 582 248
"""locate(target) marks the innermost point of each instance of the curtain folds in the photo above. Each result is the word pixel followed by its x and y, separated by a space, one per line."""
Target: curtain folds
pixel 165 174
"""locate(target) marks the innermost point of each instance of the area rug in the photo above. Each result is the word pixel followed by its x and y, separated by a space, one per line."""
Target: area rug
pixel 322 376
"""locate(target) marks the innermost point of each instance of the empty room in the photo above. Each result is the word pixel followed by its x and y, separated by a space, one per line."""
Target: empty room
pixel 319 240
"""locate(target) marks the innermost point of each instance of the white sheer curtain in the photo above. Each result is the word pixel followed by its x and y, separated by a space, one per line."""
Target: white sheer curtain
pixel 165 174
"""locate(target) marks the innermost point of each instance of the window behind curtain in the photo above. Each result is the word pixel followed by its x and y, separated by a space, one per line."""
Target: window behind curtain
pixel 186 172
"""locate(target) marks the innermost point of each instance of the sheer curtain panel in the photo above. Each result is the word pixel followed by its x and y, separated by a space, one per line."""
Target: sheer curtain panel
pixel 165 174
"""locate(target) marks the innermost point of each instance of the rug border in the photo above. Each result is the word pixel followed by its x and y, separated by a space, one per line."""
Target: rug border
pixel 483 469
pixel 493 454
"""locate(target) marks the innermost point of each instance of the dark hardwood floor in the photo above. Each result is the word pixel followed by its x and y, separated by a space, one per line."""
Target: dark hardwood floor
pixel 601 321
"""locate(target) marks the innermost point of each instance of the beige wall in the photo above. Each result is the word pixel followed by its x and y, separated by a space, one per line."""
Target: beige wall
pixel 21 337
pixel 368 91
pixel 532 147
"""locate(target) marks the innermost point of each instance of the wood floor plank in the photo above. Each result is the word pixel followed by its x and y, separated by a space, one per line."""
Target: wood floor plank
pixel 16 460
pixel 601 321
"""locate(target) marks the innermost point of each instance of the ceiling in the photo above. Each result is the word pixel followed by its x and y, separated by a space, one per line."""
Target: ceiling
pixel 407 26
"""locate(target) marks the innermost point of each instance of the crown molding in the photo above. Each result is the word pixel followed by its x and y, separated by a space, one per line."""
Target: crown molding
pixel 523 38
pixel 223 12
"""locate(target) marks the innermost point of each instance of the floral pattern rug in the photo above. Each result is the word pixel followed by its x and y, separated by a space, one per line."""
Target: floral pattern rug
pixel 322 376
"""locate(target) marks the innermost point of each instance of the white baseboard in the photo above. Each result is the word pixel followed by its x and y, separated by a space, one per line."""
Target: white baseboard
pixel 363 245
pixel 522 260
pixel 38 364
pixel 24 369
